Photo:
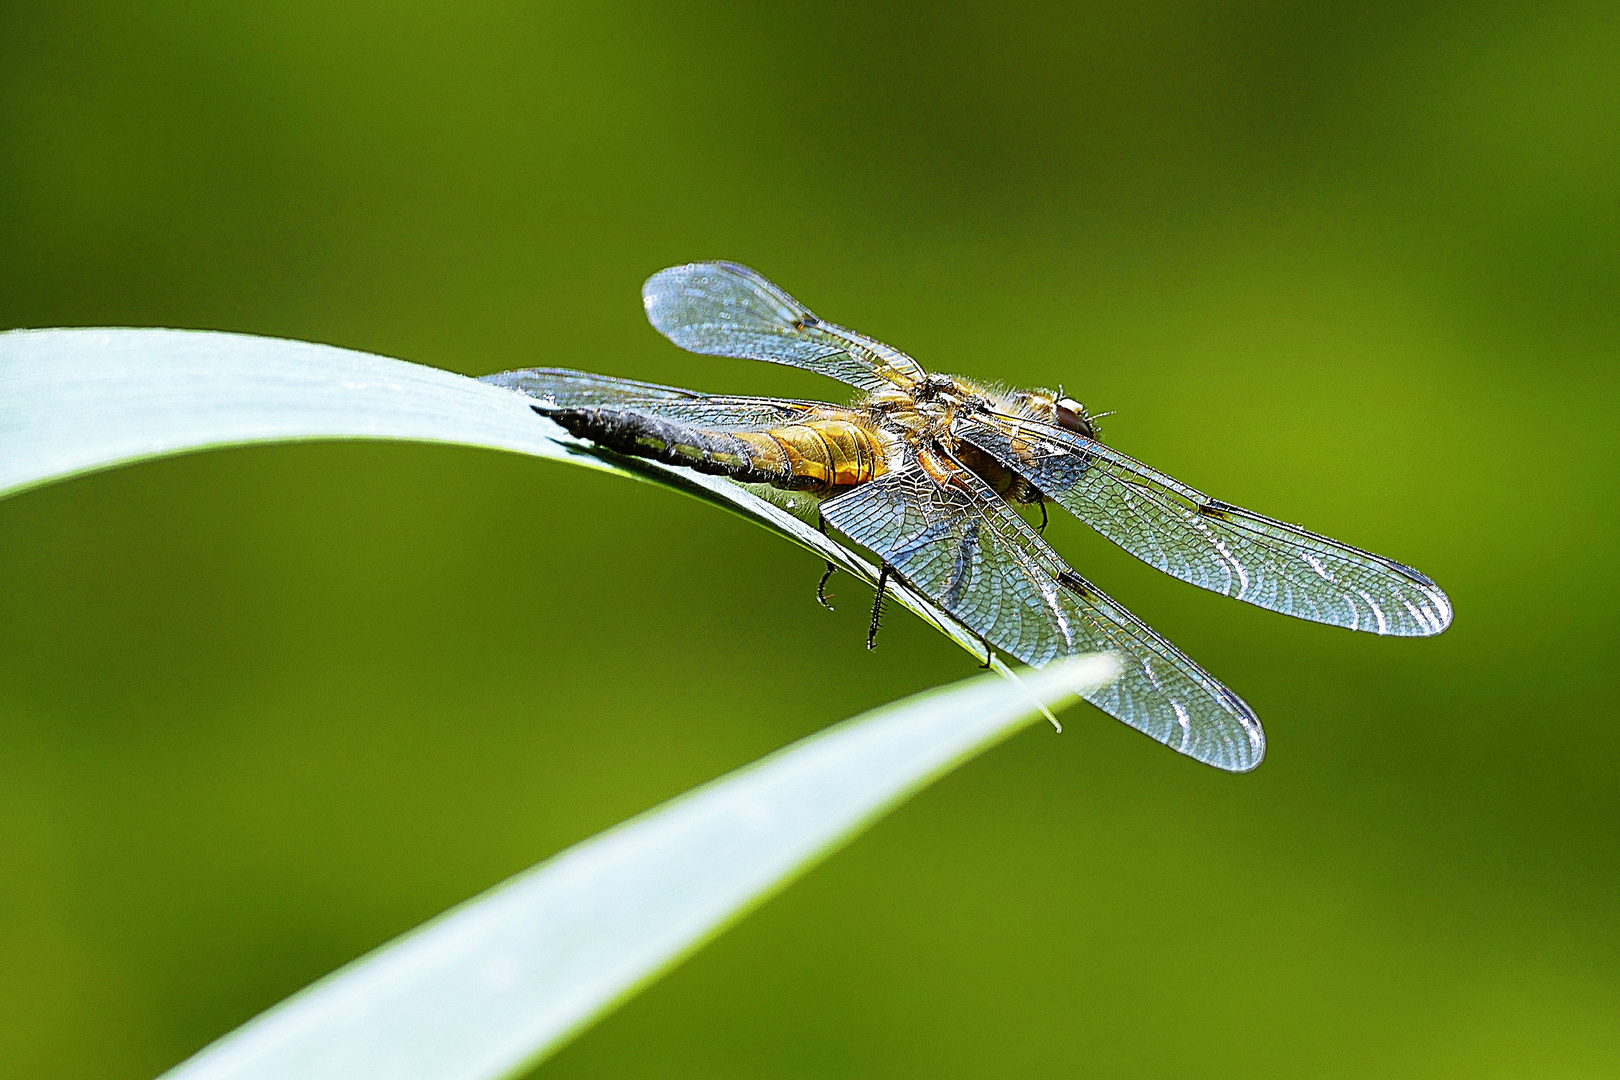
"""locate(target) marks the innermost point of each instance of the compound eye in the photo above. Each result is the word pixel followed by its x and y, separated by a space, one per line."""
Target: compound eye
pixel 1072 416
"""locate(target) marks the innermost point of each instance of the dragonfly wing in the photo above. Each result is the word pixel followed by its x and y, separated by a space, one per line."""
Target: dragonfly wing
pixel 1212 544
pixel 560 388
pixel 723 309
pixel 966 550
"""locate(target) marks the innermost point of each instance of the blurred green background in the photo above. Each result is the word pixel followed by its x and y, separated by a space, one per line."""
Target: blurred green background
pixel 1352 265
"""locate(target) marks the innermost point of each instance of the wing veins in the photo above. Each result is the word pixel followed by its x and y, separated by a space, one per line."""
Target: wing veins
pixel 1196 538
pixel 726 309
pixel 1022 598
pixel 562 388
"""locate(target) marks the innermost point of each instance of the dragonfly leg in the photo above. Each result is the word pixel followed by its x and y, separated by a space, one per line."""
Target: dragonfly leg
pixel 1043 514
pixel 989 654
pixel 877 607
pixel 821 586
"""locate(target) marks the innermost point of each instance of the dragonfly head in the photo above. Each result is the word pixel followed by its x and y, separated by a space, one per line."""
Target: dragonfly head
pixel 1072 416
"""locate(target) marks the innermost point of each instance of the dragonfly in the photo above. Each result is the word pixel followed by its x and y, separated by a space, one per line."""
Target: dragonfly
pixel 933 474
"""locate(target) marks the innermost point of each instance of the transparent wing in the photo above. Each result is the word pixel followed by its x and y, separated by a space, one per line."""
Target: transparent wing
pixel 1212 544
pixel 965 549
pixel 723 309
pixel 565 389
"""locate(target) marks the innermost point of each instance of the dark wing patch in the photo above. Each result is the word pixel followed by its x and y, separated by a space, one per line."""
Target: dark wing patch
pixel 966 550
pixel 723 309
pixel 1212 544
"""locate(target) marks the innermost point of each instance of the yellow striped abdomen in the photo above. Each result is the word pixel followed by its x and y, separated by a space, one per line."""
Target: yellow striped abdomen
pixel 818 455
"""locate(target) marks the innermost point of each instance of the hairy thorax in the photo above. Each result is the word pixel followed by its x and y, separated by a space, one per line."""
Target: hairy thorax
pixel 922 421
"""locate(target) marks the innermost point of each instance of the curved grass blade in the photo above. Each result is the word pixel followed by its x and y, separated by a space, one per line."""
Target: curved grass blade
pixel 80 400
pixel 493 986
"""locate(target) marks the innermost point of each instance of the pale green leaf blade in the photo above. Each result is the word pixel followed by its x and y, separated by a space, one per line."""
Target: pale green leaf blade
pixel 494 985
pixel 72 401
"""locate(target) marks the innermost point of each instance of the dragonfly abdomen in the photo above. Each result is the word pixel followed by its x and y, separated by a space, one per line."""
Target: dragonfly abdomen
pixel 817 455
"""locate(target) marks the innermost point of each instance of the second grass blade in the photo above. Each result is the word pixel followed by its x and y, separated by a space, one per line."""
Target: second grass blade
pixel 500 982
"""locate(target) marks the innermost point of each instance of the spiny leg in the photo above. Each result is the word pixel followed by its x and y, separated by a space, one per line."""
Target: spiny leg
pixel 1042 505
pixel 989 654
pixel 821 586
pixel 877 607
